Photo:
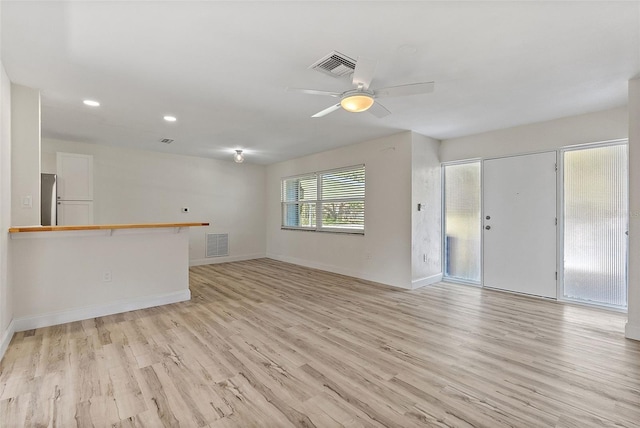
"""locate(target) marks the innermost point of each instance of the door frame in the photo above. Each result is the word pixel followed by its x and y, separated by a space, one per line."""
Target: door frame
pixel 559 210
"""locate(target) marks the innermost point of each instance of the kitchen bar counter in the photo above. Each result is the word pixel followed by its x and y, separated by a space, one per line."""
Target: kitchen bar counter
pixel 83 272
pixel 22 229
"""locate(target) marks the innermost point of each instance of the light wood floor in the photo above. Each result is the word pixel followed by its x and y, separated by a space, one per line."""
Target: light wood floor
pixel 268 344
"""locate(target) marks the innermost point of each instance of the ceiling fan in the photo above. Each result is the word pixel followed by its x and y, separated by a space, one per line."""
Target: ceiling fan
pixel 364 99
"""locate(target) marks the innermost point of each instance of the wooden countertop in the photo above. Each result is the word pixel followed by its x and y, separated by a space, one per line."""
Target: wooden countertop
pixel 21 229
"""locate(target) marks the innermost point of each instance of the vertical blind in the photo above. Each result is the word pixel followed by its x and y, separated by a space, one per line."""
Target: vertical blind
pixel 595 225
pixel 325 201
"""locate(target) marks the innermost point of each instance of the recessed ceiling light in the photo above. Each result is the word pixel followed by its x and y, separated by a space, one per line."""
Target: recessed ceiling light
pixel 170 118
pixel 91 103
pixel 407 49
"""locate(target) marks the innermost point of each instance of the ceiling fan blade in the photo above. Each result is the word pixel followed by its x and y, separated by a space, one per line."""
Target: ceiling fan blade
pixel 327 110
pixel 378 110
pixel 363 74
pixel 402 90
pixel 313 92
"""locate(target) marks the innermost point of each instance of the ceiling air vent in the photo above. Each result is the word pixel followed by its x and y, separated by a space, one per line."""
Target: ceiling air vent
pixel 335 64
pixel 166 141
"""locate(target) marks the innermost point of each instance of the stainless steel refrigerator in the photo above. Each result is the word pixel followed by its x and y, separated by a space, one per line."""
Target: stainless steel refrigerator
pixel 48 200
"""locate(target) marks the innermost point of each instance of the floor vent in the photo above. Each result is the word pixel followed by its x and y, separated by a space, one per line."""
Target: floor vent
pixel 217 244
pixel 335 64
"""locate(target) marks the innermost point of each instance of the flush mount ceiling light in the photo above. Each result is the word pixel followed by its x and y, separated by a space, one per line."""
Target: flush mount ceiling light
pixel 357 101
pixel 238 157
pixel 170 118
pixel 91 103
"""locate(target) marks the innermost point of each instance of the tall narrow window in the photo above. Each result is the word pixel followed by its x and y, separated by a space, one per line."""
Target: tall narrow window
pixel 595 224
pixel 462 221
pixel 299 199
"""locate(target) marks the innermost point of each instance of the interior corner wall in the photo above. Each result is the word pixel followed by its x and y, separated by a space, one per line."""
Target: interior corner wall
pixel 25 152
pixel 136 186
pixel 632 329
pixel 382 254
pixel 426 222
pixel 6 292
pixel 550 135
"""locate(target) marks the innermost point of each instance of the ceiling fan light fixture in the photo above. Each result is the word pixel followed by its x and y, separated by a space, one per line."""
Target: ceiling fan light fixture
pixel 356 103
pixel 238 156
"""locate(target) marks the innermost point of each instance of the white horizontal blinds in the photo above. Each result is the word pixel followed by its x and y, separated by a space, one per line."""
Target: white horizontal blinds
pixel 342 199
pixel 595 224
pixel 462 221
pixel 299 196
pixel 325 201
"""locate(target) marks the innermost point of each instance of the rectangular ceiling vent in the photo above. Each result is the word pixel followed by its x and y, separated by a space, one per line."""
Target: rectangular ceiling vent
pixel 217 244
pixel 335 64
pixel 166 141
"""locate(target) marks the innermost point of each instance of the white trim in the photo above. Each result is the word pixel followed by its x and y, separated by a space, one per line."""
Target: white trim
pixel 226 259
pixel 6 338
pixel 428 280
pixel 61 317
pixel 333 269
pixel 632 331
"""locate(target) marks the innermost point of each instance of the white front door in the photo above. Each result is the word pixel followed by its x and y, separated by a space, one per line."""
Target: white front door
pixel 519 224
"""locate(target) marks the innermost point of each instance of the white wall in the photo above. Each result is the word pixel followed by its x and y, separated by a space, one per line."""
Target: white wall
pixel 135 186
pixel 633 325
pixel 6 295
pixel 25 139
pixel 383 253
pixel 426 224
pixel 550 135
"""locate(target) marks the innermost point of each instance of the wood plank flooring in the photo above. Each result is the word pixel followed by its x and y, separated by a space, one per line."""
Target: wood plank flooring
pixel 269 344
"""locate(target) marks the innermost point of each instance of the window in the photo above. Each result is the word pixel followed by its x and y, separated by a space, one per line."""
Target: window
pixel 331 201
pixel 462 223
pixel 595 219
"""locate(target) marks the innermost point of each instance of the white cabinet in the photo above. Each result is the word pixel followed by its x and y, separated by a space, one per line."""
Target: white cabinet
pixel 75 189
pixel 75 213
pixel 75 177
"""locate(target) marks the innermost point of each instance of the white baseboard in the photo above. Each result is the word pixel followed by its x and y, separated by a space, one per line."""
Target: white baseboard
pixel 61 317
pixel 632 331
pixel 215 260
pixel 428 280
pixel 6 338
pixel 333 269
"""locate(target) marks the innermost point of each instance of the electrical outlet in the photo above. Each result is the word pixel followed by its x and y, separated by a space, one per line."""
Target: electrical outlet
pixel 367 256
pixel 106 276
pixel 185 209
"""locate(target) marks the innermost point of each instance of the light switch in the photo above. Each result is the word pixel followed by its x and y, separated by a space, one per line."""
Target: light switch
pixel 26 201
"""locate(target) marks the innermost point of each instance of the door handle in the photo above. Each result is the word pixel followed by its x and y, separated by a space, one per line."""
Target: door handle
pixel 487 227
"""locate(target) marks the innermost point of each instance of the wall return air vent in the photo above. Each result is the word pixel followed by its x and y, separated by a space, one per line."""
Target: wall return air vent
pixel 217 244
pixel 335 64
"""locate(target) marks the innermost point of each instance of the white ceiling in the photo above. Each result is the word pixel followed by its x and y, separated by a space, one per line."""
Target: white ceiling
pixel 222 68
